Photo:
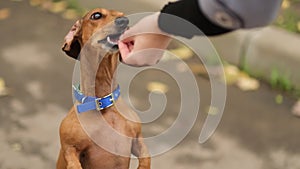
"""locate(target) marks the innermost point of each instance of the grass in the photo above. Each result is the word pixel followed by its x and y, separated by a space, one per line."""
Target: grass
pixel 74 4
pixel 289 16
pixel 280 81
pixel 289 21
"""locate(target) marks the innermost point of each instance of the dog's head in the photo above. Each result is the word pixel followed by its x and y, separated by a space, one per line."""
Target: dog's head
pixel 108 24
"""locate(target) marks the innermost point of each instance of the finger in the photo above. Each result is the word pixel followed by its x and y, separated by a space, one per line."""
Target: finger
pixel 127 36
pixel 130 45
pixel 124 50
pixel 130 34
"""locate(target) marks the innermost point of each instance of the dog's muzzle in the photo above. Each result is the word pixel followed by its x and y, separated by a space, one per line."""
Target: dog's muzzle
pixel 111 40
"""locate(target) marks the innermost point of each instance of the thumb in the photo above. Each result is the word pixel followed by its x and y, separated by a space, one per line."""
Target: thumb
pixel 124 50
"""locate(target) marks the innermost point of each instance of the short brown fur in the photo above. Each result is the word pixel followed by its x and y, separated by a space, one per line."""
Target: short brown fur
pixel 78 150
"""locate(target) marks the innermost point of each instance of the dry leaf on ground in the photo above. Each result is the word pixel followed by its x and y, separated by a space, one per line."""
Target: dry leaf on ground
pixel 182 52
pixel 246 83
pixel 198 68
pixel 36 2
pixel 46 5
pixel 3 90
pixel 58 7
pixel 70 14
pixel 231 74
pixel 211 110
pixel 279 99
pixel 285 4
pixel 16 147
pixel 4 13
pixel 157 87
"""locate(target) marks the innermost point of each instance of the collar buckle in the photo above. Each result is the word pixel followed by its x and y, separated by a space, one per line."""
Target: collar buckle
pixel 99 103
pixel 93 103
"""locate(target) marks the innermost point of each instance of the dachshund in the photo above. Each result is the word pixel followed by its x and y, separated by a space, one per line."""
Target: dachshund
pixel 93 41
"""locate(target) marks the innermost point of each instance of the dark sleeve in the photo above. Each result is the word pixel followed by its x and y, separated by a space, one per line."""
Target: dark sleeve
pixel 188 10
pixel 214 17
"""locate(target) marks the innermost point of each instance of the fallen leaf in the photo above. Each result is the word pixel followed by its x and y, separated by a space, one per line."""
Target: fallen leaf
pixel 198 68
pixel 47 5
pixel 70 14
pixel 182 52
pixel 296 109
pixel 211 110
pixel 3 90
pixel 167 56
pixel 4 13
pixel 279 99
pixel 58 7
pixel 246 83
pixel 2 84
pixel 298 26
pixel 231 74
pixel 157 87
pixel 35 2
pixel 16 147
pixel 285 4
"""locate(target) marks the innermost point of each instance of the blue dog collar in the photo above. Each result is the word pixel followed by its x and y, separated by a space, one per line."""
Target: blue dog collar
pixel 93 103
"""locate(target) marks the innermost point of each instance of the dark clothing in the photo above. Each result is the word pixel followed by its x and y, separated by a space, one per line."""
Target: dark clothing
pixel 215 17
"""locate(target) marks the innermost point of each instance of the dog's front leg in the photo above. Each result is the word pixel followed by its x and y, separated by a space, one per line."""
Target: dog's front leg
pixel 140 150
pixel 72 158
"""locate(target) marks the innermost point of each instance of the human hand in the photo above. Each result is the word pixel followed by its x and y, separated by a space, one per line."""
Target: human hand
pixel 144 43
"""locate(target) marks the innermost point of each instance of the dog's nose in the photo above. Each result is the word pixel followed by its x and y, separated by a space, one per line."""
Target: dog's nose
pixel 122 22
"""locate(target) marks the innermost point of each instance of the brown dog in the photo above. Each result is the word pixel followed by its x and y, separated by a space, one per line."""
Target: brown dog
pixel 100 139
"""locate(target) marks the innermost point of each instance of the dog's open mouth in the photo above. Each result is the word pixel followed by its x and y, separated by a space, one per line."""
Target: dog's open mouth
pixel 111 40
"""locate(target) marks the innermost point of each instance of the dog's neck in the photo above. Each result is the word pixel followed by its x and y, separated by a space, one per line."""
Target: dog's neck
pixel 97 73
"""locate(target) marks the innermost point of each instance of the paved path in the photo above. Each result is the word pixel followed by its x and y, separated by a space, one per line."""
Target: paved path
pixel 255 132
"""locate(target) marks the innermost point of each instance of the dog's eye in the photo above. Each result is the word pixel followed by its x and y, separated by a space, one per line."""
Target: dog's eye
pixel 96 16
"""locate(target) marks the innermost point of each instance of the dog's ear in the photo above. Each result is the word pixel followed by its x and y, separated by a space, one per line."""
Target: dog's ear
pixel 72 44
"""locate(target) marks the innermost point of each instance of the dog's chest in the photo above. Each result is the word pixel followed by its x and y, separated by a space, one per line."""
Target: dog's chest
pixel 109 131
